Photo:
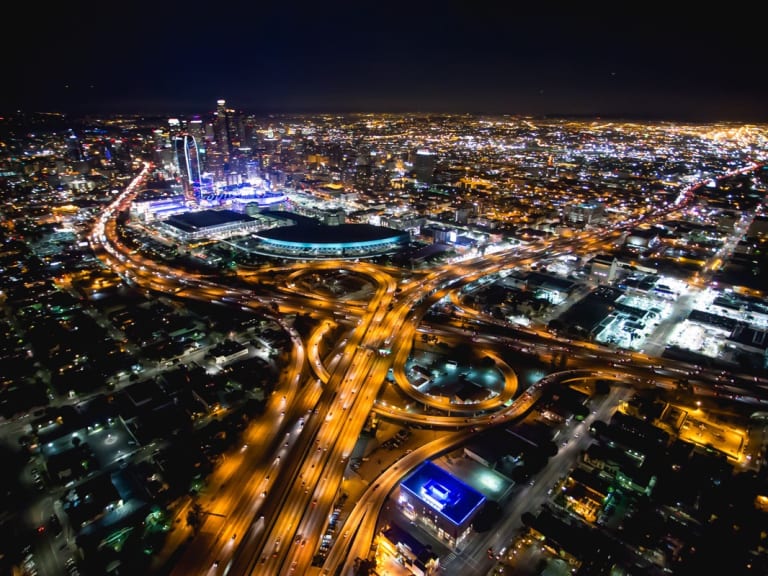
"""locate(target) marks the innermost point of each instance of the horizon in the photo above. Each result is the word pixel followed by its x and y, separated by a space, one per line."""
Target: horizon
pixel 583 116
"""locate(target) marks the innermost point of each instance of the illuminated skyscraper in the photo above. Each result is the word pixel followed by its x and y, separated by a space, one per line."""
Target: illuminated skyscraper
pixel 221 129
pixel 174 128
pixel 74 148
pixel 188 158
pixel 196 129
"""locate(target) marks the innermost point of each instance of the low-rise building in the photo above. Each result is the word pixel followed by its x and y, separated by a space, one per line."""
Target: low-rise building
pixel 441 503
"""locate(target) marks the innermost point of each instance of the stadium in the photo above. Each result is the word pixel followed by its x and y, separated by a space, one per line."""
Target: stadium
pixel 317 241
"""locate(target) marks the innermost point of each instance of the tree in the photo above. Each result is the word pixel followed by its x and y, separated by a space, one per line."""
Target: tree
pixel 549 448
pixel 602 387
pixel 489 515
pixel 598 428
pixel 528 519
pixel 195 517
pixel 463 353
pixel 364 567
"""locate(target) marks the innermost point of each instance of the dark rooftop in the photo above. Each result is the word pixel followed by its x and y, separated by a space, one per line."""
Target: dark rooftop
pixel 749 336
pixel 192 221
pixel 550 280
pixel 320 234
pixel 398 535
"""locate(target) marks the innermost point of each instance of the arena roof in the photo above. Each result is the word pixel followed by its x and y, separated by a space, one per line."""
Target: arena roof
pixel 321 234
pixel 443 492
pixel 193 221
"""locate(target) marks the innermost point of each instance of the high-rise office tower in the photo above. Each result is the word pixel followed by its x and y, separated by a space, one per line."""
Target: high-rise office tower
pixel 74 148
pixel 174 128
pixel 235 130
pixel 196 129
pixel 188 157
pixel 424 164
pixel 221 129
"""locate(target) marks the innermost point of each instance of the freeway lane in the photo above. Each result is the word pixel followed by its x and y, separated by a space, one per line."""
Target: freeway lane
pixel 306 501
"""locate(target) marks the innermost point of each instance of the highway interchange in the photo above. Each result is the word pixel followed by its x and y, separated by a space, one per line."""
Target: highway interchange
pixel 273 499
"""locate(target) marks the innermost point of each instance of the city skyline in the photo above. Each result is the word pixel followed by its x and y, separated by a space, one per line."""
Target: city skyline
pixel 447 58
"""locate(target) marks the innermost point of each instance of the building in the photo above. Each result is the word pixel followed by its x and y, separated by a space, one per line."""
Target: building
pixel 419 558
pixel 221 129
pixel 208 223
pixel 585 214
pixel 228 351
pixel 642 239
pixel 188 159
pixel 750 340
pixel 308 241
pixel 585 492
pixel 490 448
pixel 424 164
pixel 603 269
pixel 616 464
pixel 549 287
pixel 441 503
pixel 641 429
pixel 158 207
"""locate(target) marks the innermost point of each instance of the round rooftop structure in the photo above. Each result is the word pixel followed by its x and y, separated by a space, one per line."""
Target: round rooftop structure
pixel 321 241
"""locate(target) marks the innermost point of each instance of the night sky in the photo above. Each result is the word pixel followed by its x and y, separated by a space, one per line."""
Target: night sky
pixel 629 59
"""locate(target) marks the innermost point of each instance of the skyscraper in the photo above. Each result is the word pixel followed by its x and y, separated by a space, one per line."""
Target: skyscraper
pixel 196 129
pixel 424 163
pixel 221 129
pixel 188 157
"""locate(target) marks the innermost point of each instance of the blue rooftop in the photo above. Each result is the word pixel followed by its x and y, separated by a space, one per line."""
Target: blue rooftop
pixel 444 493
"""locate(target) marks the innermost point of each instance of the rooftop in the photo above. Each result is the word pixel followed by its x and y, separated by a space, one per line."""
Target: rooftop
pixel 320 234
pixel 443 492
pixel 192 221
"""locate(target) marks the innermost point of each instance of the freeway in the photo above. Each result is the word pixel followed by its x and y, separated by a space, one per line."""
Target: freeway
pixel 272 503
